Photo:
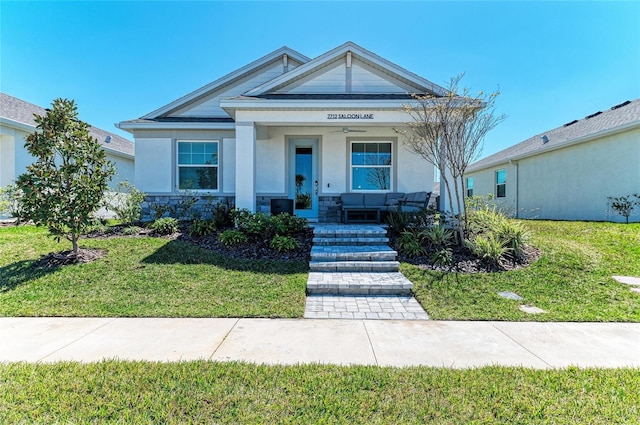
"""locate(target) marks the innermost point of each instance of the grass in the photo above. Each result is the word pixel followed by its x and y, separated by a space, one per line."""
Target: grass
pixel 208 392
pixel 143 277
pixel 572 281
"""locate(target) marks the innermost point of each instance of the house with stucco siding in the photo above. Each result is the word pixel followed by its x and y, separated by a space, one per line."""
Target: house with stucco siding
pixel 569 172
pixel 17 122
pixel 286 127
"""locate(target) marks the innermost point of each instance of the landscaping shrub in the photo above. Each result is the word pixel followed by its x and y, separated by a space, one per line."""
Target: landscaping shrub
pixel 221 215
pixel 9 200
pixel 160 209
pixel 232 237
pixel 437 236
pixel 489 248
pixel 202 228
pixel 624 205
pixel 443 257
pixel 165 226
pixel 286 224
pixel 182 210
pixel 251 224
pixel 126 202
pixel 399 221
pixel 410 243
pixel 284 243
pixel 513 235
pixel 131 230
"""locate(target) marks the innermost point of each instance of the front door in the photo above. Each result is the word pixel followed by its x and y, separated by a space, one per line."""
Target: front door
pixel 303 177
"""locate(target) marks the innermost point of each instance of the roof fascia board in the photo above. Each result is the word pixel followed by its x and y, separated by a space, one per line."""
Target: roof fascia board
pixel 566 143
pixel 114 152
pixel 175 126
pixel 239 73
pixel 17 124
pixel 331 56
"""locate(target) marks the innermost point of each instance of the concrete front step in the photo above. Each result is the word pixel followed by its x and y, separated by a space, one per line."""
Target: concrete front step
pixel 356 283
pixel 349 231
pixel 354 266
pixel 353 253
pixel 349 241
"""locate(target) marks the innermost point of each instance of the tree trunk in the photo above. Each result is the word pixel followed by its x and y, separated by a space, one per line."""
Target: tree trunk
pixel 74 243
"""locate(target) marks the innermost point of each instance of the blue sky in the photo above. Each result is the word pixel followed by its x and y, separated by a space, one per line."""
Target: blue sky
pixel 553 61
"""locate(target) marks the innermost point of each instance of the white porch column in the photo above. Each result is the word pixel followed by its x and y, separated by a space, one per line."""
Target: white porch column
pixel 246 165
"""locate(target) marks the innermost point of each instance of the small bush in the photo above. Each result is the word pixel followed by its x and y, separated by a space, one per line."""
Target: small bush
pixel 221 215
pixel 160 209
pixel 251 224
pixel 131 230
pixel 126 202
pixel 410 244
pixel 488 248
pixel 232 237
pixel 513 235
pixel 9 200
pixel 202 228
pixel 443 257
pixel 182 209
pixel 284 243
pixel 286 224
pixel 624 205
pixel 437 236
pixel 165 226
pixel 399 221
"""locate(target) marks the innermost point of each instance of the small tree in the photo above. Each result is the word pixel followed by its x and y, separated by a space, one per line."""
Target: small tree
pixel 65 186
pixel 448 131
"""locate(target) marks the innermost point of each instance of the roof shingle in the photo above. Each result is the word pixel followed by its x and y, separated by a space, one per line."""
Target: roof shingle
pixel 620 115
pixel 20 111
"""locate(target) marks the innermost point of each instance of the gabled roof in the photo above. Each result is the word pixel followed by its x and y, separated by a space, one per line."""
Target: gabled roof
pixel 227 80
pixel 19 113
pixel 359 53
pixel 620 117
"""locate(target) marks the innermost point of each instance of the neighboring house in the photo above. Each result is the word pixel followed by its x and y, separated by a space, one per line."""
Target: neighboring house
pixel 17 122
pixel 286 127
pixel 567 173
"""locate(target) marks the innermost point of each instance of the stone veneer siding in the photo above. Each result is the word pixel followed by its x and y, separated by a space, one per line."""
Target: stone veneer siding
pixel 201 209
pixel 328 208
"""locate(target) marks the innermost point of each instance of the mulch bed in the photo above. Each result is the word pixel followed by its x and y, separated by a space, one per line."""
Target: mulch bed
pixel 465 262
pixel 58 259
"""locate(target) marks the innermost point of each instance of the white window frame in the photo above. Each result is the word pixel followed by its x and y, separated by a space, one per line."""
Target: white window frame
pixel 390 166
pixel 216 166
pixel 501 184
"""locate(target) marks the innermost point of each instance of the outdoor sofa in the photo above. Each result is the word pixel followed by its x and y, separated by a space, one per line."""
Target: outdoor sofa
pixel 370 206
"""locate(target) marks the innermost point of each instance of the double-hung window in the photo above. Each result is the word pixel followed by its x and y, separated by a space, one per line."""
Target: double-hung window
pixel 197 165
pixel 371 166
pixel 470 187
pixel 501 183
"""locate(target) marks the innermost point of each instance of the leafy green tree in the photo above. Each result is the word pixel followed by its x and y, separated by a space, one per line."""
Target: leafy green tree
pixel 65 186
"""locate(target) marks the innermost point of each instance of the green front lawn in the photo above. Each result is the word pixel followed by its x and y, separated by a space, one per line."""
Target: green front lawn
pixel 209 392
pixel 572 281
pixel 143 277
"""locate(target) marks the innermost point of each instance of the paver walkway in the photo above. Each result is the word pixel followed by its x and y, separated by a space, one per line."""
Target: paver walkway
pixel 354 275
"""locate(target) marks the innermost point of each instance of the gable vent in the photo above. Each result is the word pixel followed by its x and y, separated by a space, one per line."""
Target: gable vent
pixel 613 108
pixel 570 123
pixel 595 114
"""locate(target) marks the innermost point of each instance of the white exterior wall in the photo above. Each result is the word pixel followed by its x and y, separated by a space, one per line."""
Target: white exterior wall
pixel 484 184
pixel 125 169
pixel 410 174
pixel 210 106
pixel 228 165
pixel 7 159
pixel 154 173
pixel 574 183
pixel 367 80
pixel 571 183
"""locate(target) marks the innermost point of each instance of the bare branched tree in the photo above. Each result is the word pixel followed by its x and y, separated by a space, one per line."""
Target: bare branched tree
pixel 448 131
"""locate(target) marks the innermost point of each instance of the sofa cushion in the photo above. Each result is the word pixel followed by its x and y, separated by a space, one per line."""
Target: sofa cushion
pixel 374 199
pixel 352 199
pixel 393 198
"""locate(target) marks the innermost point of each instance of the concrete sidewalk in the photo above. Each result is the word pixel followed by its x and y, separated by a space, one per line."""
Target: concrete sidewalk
pixel 384 343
